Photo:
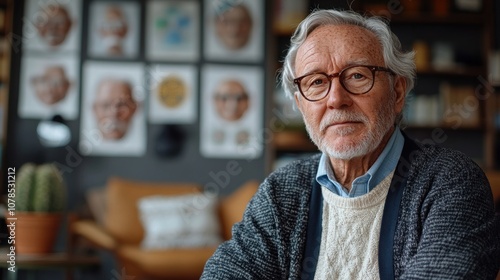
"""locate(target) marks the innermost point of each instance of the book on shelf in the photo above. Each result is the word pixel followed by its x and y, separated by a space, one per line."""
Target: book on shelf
pixel 461 108
pixel 455 107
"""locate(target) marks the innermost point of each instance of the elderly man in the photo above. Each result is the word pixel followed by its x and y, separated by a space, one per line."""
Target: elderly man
pixel 55 25
pixel 374 204
pixel 52 86
pixel 233 26
pixel 231 100
pixel 114 29
pixel 114 107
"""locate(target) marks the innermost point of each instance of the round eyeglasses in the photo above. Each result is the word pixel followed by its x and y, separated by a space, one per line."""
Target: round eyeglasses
pixel 356 79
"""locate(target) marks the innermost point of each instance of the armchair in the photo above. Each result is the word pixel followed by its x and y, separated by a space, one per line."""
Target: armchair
pixel 121 231
pixel 494 179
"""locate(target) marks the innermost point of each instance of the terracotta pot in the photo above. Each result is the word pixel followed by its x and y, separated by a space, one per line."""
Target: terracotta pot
pixel 36 233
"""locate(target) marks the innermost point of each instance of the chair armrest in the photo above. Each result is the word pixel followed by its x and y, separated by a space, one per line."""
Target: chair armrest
pixel 232 207
pixel 96 234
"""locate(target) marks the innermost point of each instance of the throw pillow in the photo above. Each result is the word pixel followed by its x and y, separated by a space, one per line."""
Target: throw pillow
pixel 122 218
pixel 179 221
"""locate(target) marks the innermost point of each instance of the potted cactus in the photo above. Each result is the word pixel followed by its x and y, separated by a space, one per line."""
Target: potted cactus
pixel 40 202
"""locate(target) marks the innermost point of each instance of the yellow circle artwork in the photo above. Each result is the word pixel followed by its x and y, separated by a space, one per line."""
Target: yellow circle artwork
pixel 172 92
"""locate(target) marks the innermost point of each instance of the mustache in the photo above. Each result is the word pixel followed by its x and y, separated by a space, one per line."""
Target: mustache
pixel 340 117
pixel 109 125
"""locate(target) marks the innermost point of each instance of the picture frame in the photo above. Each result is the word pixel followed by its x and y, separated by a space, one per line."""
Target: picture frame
pixel 49 85
pixel 113 119
pixel 114 29
pixel 231 121
pixel 52 26
pixel 173 30
pixel 173 94
pixel 234 30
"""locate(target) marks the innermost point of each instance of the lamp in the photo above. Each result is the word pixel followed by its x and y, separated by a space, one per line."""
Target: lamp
pixel 54 132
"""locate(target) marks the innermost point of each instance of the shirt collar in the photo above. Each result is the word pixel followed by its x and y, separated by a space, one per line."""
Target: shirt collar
pixel 384 164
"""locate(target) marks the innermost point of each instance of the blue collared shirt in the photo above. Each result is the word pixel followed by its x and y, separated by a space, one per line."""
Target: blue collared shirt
pixel 384 165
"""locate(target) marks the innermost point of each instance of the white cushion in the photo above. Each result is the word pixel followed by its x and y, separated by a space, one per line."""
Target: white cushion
pixel 179 221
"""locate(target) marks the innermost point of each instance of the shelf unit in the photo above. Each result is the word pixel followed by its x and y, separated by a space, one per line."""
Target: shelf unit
pixel 469 36
pixel 6 14
pixel 454 28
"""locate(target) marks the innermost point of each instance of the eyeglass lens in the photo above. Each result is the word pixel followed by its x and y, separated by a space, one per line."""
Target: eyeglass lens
pixel 356 80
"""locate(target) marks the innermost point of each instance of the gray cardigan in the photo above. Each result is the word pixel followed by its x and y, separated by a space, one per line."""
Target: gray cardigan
pixel 446 226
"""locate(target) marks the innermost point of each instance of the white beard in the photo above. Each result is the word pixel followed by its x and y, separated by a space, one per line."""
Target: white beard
pixel 369 140
pixel 111 42
pixel 113 125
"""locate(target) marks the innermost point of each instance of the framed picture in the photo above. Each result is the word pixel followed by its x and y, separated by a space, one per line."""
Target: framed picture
pixel 173 94
pixel 113 121
pixel 231 111
pixel 52 25
pixel 49 86
pixel 114 29
pixel 234 30
pixel 172 30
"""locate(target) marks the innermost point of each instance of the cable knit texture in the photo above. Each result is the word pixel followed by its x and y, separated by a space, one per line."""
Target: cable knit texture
pixel 351 231
pixel 446 225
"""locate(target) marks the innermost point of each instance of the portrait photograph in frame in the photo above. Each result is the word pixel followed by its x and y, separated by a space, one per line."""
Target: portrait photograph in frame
pixel 52 26
pixel 231 118
pixel 113 120
pixel 234 30
pixel 173 94
pixel 49 86
pixel 173 30
pixel 114 29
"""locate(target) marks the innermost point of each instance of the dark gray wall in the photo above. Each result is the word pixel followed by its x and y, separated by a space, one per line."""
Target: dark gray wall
pixel 84 172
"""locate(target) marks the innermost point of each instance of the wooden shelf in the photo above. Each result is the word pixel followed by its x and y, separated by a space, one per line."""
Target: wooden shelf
pixel 60 261
pixel 51 260
pixel 429 18
pixel 455 71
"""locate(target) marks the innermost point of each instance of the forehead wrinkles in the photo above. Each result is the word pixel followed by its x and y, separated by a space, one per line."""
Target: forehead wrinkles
pixel 307 55
pixel 342 44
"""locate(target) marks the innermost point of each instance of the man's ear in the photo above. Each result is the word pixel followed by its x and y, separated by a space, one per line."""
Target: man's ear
pixel 70 84
pixel 134 106
pixel 297 97
pixel 400 92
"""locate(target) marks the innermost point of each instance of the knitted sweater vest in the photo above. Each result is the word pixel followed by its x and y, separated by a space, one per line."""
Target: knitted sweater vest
pixel 351 231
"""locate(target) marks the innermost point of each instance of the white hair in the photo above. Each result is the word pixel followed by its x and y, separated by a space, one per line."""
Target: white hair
pixel 400 62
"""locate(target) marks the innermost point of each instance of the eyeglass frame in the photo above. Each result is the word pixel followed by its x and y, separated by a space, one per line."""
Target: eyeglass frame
pixel 330 77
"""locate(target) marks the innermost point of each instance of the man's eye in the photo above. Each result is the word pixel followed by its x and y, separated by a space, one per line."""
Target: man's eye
pixel 318 82
pixel 357 76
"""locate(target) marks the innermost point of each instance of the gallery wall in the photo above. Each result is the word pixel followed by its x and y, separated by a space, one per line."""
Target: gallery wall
pixel 172 70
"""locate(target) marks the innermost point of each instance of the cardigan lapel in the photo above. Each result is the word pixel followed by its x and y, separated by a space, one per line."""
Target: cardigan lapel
pixel 391 210
pixel 389 219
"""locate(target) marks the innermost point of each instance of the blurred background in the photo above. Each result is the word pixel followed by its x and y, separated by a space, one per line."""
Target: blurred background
pixel 125 96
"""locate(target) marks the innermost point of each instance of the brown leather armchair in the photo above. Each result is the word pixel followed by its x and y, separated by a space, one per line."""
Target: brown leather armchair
pixel 494 179
pixel 121 230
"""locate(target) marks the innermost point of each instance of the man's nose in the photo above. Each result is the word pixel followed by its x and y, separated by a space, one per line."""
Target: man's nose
pixel 113 110
pixel 338 97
